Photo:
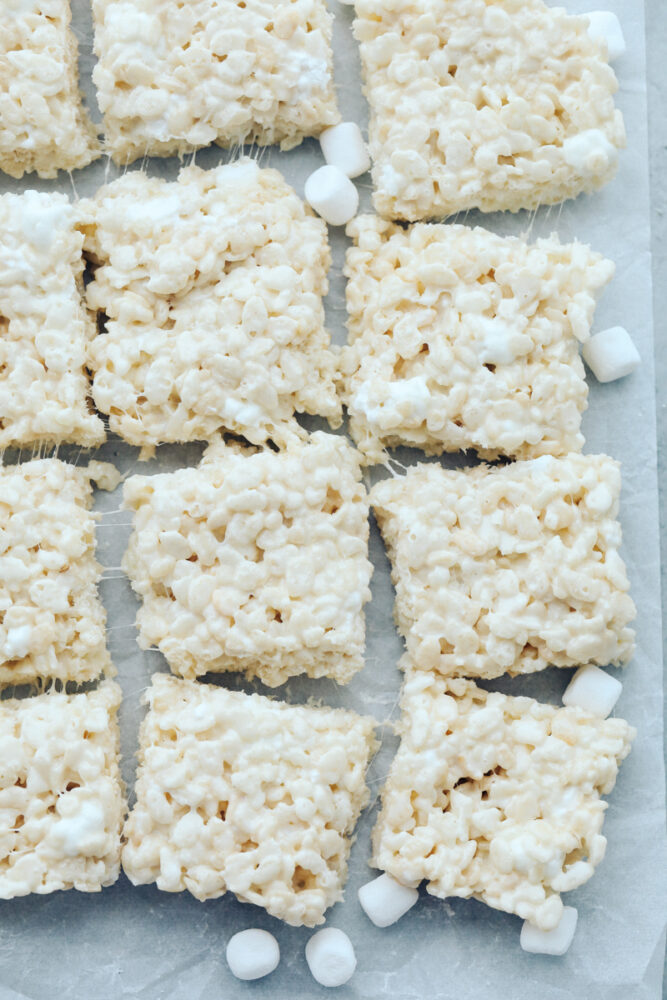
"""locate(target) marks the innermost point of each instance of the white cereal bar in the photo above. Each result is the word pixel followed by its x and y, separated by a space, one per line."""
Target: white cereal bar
pixel 238 792
pixel 489 104
pixel 460 339
pixel 62 801
pixel 496 797
pixel 52 623
pixel 44 127
pixel 175 76
pixel 212 287
pixel 254 562
pixel 45 331
pixel 509 569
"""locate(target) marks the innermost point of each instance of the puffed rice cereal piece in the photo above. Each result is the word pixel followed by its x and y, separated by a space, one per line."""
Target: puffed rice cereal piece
pixel 473 104
pixel 460 339
pixel 45 331
pixel 213 288
pixel 44 126
pixel 496 797
pixel 240 793
pixel 508 570
pixel 52 623
pixel 172 76
pixel 254 562
pixel 62 801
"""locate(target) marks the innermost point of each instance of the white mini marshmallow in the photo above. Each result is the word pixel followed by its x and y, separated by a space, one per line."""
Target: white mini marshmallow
pixel 333 195
pixel 553 942
pixel 590 152
pixel 331 957
pixel 252 954
pixel 593 690
pixel 604 26
pixel 18 642
pixel 343 146
pixel 611 354
pixel 385 900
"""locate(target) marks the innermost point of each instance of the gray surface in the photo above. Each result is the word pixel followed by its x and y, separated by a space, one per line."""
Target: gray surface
pixel 143 943
pixel 656 51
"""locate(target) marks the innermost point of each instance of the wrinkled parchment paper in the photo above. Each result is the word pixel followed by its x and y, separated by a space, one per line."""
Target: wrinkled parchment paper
pixel 139 942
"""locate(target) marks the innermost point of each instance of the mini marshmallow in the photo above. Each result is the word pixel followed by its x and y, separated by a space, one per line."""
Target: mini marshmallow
pixel 331 957
pixel 252 954
pixel 553 942
pixel 604 26
pixel 590 153
pixel 343 146
pixel 384 900
pixel 333 195
pixel 593 690
pixel 611 354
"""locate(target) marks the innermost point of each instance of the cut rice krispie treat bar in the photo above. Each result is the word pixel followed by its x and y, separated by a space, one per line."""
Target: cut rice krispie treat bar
pixel 44 127
pixel 45 331
pixel 213 288
pixel 254 562
pixel 52 623
pixel 459 339
pixel 62 802
pixel 172 77
pixel 508 570
pixel 496 797
pixel 237 792
pixel 489 104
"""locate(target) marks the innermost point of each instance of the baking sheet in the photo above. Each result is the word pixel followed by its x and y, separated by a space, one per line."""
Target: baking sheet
pixel 139 942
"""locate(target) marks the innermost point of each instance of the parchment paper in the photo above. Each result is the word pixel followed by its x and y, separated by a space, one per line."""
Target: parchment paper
pixel 139 942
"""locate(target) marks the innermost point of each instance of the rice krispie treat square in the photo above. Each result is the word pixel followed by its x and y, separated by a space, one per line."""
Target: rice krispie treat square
pixel 45 331
pixel 43 124
pixel 254 562
pixel 459 339
pixel 237 792
pixel 212 288
pixel 62 802
pixel 174 76
pixel 490 104
pixel 496 797
pixel 508 570
pixel 52 623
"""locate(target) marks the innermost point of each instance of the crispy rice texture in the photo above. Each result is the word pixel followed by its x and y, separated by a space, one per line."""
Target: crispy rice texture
pixel 45 331
pixel 211 288
pixel 173 76
pixel 480 103
pixel 462 339
pixel 62 802
pixel 237 792
pixel 254 562
pixel 52 621
pixel 44 125
pixel 508 570
pixel 496 797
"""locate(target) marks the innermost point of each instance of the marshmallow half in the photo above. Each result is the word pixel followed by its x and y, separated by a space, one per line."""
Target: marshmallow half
pixel 553 942
pixel 593 690
pixel 604 26
pixel 332 195
pixel 343 146
pixel 611 354
pixel 590 153
pixel 384 900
